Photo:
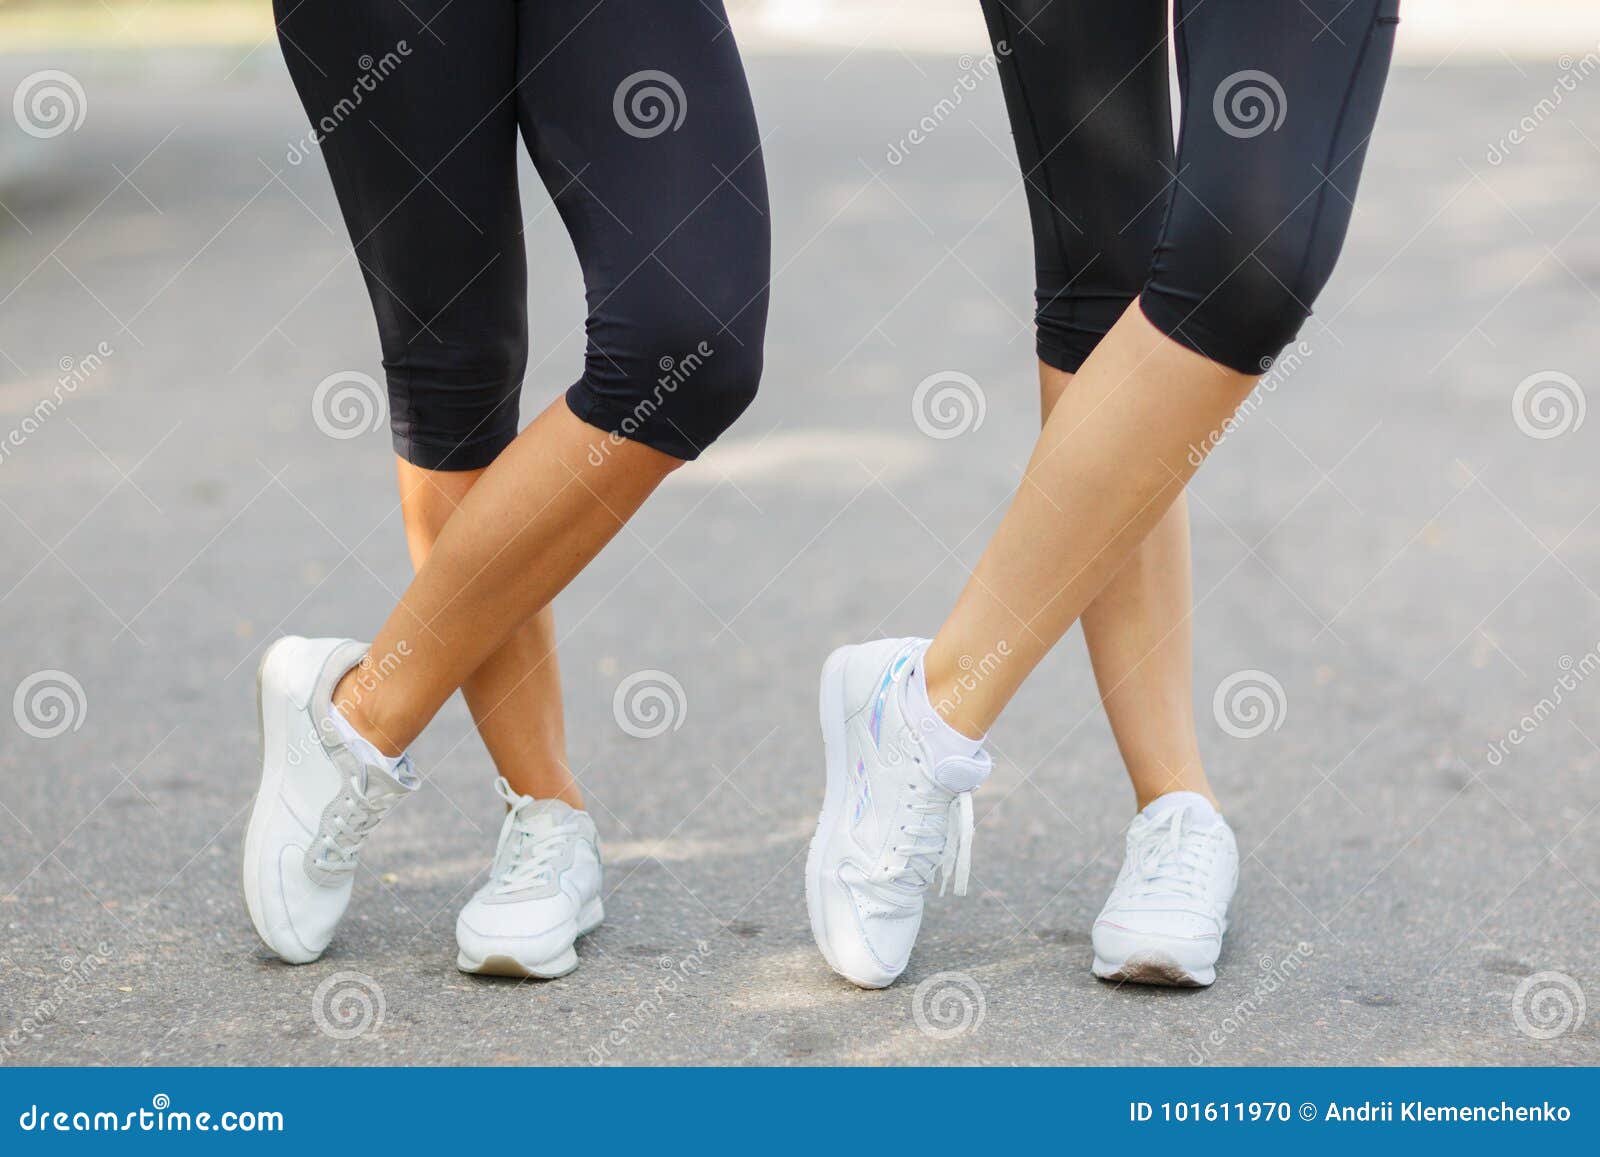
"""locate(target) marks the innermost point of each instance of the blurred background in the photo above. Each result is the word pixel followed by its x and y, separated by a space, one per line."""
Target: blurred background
pixel 1396 554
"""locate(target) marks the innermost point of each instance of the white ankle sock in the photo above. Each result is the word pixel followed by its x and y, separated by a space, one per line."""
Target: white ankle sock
pixel 1202 813
pixel 361 746
pixel 941 740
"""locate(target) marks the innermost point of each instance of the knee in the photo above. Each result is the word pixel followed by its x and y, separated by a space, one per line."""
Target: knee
pixel 428 499
pixel 712 379
pixel 677 378
pixel 717 363
pixel 1259 308
pixel 1237 304
pixel 707 332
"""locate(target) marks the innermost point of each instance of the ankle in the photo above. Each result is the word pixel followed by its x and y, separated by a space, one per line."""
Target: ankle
pixel 549 781
pixel 948 693
pixel 1143 799
pixel 357 705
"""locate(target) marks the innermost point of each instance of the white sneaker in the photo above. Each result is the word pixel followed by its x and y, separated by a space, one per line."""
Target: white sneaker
pixel 317 802
pixel 1168 910
pixel 543 892
pixel 887 817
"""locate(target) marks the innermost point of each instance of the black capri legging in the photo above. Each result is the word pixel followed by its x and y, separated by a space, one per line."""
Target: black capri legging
pixel 1226 244
pixel 639 121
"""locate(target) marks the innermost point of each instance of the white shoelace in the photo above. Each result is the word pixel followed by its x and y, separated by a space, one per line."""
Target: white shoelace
pixel 533 852
pixel 934 848
pixel 348 826
pixel 1171 859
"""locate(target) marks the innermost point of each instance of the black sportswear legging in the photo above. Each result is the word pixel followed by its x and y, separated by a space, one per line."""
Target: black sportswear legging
pixel 638 119
pixel 1227 244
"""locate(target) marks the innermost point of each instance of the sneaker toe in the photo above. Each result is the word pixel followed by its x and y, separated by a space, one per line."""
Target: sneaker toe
pixel 311 911
pixel 294 914
pixel 870 940
pixel 1189 939
pixel 529 930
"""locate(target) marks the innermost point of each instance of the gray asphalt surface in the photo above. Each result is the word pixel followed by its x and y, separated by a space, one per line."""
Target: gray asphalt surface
pixel 1380 536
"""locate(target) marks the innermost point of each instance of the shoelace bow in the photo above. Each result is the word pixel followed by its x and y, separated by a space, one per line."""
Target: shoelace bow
pixel 1169 863
pixel 934 848
pixel 349 825
pixel 534 852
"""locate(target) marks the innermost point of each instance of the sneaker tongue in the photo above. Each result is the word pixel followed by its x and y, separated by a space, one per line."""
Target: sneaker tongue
pixel 956 773
pixel 542 815
pixel 1200 814
pixel 380 781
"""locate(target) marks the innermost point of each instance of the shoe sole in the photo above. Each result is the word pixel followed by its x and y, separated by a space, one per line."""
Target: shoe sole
pixel 1153 968
pixel 830 710
pixel 271 784
pixel 507 964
